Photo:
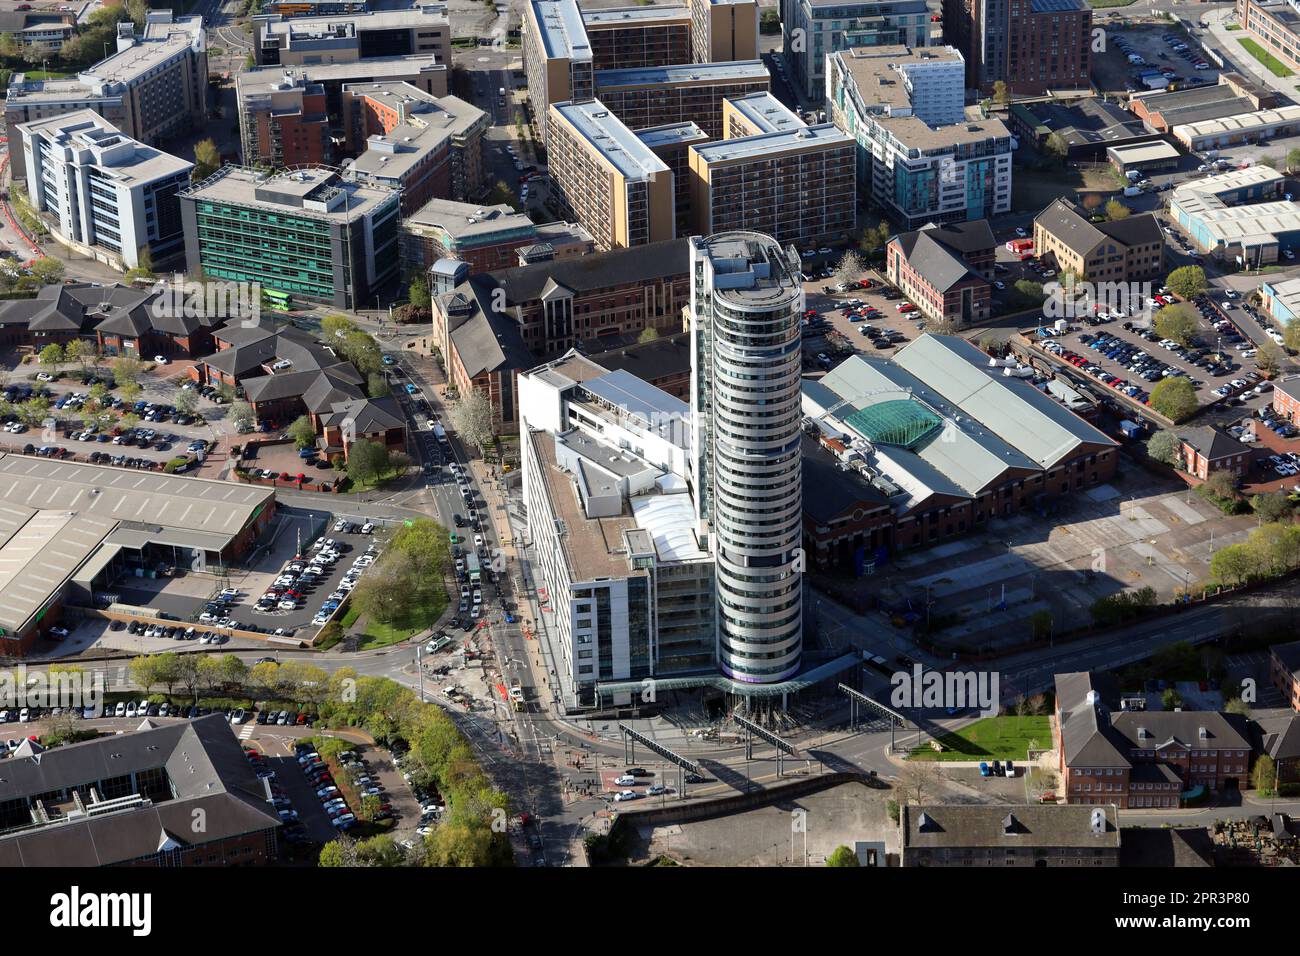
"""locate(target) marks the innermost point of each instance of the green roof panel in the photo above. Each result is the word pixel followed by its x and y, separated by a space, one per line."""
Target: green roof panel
pixel 899 422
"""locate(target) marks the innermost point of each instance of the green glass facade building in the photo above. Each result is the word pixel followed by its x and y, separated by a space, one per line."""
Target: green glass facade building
pixel 307 233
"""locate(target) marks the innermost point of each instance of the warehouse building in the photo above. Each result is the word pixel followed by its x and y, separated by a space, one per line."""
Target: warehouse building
pixel 1238 129
pixel 69 531
pixel 1238 215
pixel 946 441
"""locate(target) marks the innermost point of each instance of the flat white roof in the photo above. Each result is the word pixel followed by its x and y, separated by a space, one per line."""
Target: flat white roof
pixel 1246 122
pixel 822 136
pixel 563 33
pixel 670 520
pixel 621 147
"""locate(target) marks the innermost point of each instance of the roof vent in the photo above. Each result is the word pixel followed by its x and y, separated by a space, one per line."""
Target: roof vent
pixel 1097 822
pixel 1202 733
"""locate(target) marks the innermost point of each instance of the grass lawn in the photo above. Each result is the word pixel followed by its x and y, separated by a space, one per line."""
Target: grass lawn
pixel 379 634
pixel 1272 63
pixel 993 738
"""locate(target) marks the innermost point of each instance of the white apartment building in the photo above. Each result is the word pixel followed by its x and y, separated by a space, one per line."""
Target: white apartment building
pixel 814 29
pixel 922 155
pixel 108 195
pixel 746 305
pixel 626 586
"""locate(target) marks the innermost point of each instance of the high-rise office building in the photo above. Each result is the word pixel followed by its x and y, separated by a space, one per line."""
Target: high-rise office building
pixel 814 29
pixel 1034 46
pixel 746 303
pixel 104 190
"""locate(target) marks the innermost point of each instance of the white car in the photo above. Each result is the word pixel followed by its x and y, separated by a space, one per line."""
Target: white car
pixel 161 359
pixel 623 795
pixel 430 423
pixel 44 377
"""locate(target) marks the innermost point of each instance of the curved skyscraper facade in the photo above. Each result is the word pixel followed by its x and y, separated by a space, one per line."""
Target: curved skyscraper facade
pixel 745 390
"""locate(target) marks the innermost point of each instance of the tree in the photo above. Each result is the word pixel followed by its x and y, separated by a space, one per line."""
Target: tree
pixel 1187 282
pixel 1293 160
pixel 339 852
pixel 1273 507
pixel 207 160
pixel 1177 322
pixel 1171 699
pixel 648 334
pixel 418 293
pixel 1056 147
pixel 334 328
pixel 387 590
pixel 367 462
pixel 1270 358
pixel 842 855
pixel 1233 564
pixel 1221 484
pixel 47 271
pixel 1174 398
pixel 377 385
pixel 241 417
pixel 849 269
pixel 1165 446
pixel 874 238
pixel 1116 210
pixel 187 401
pixel 9 49
pixel 127 369
pixel 1263 776
pixel 52 357
pixel 302 431
pixel 1030 292
pixel 917 778
pixel 1291 335
pixel 362 351
pixel 472 416
pixel 144 671
pixel 35 409
pixel 79 352
pixel 1001 93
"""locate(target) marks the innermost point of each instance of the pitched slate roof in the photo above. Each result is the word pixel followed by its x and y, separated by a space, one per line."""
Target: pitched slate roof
pixel 368 415
pixel 1048 825
pixel 1086 737
pixel 941 266
pixel 1211 442
pixel 204 765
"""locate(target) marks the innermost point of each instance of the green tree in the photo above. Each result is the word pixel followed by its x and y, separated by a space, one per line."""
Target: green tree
pixel 187 401
pixel 648 334
pixel 1221 484
pixel 302 431
pixel 9 49
pixel 207 160
pixel 1291 335
pixel 418 293
pixel 362 351
pixel 1171 699
pixel 334 328
pixel 1001 93
pixel 1175 398
pixel 1233 564
pixel 48 271
pixel 849 269
pixel 1263 776
pixel 52 357
pixel 1270 358
pixel 1116 210
pixel 144 671
pixel 377 385
pixel 127 368
pixel 1178 322
pixel 1165 446
pixel 367 462
pixel 1187 282
pixel 842 855
pixel 79 352
pixel 1056 147
pixel 473 418
pixel 1293 160
pixel 1029 292
pixel 339 852
pixel 1272 507
pixel 241 417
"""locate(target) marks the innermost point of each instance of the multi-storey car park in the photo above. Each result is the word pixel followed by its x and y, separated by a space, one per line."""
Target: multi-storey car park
pixel 745 316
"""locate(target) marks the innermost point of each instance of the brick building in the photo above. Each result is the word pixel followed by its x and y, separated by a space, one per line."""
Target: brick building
pixel 1002 836
pixel 1126 250
pixel 1136 758
pixel 934 443
pixel 1206 450
pixel 945 271
pixel 131 800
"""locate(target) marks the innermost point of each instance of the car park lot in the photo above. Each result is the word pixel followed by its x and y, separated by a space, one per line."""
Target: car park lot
pixel 302 589
pixel 1130 358
pixel 161 434
pixel 1164 47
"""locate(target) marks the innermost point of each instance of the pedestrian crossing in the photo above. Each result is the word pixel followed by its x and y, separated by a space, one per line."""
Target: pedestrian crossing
pixel 246 731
